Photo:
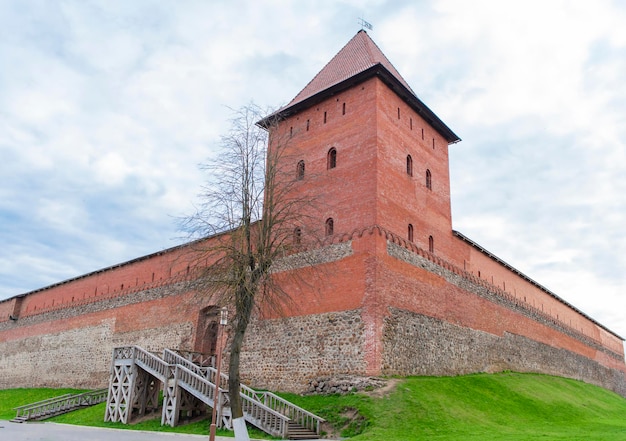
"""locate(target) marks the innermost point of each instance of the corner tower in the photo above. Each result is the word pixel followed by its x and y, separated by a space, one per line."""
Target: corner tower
pixel 370 150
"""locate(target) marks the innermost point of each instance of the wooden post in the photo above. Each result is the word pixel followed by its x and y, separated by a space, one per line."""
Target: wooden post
pixel 217 395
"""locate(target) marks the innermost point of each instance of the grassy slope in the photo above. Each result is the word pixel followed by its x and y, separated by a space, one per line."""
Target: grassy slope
pixel 505 406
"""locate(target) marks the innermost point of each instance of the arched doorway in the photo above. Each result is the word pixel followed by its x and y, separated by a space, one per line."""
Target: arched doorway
pixel 206 332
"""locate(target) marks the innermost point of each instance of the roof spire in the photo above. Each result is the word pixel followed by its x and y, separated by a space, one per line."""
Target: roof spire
pixel 365 25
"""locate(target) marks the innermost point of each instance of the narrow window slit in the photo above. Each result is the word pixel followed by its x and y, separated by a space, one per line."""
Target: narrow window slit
pixel 330 226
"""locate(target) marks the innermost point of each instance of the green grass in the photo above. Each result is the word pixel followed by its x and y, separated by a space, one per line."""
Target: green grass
pixel 505 406
pixel 338 410
pixel 94 416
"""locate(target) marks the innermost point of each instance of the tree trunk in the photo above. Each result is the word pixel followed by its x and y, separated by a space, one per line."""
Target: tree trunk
pixel 234 379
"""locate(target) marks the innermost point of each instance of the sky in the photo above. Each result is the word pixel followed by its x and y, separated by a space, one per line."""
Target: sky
pixel 107 108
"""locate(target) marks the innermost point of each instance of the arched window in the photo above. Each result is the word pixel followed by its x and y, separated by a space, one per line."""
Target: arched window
pixel 429 180
pixel 297 236
pixel 409 165
pixel 330 226
pixel 331 158
pixel 300 170
pixel 431 244
pixel 410 233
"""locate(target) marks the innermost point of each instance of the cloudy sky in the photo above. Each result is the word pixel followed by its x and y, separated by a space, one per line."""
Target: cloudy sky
pixel 107 107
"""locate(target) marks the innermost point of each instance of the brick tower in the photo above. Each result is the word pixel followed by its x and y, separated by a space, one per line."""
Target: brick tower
pixel 375 157
pixel 373 151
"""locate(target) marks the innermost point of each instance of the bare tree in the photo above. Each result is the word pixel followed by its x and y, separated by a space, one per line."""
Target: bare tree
pixel 251 219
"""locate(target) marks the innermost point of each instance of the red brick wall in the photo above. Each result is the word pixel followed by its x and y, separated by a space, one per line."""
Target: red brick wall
pixel 500 276
pixel 404 199
pixel 346 193
pixel 6 309
pixel 125 279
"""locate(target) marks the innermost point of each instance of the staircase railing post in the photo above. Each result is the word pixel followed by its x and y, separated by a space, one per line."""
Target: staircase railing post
pixel 217 396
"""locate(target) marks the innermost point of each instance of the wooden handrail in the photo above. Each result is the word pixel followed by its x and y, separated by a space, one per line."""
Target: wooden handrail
pixel 297 414
pixel 255 412
pixel 153 363
pixel 172 357
pixel 49 400
pixel 57 405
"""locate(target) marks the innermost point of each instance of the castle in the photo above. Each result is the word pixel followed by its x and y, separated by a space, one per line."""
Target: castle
pixel 403 293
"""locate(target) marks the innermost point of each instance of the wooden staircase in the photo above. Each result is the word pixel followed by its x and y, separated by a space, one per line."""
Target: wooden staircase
pixel 58 405
pixel 138 375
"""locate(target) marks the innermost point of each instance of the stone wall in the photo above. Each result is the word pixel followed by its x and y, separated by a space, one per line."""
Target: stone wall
pixel 78 357
pixel 286 354
pixel 415 344
pixel 72 347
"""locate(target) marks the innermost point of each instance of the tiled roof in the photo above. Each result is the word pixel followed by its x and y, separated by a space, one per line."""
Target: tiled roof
pixel 358 55
pixel 357 61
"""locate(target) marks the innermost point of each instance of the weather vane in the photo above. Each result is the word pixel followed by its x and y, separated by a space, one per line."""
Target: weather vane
pixel 365 25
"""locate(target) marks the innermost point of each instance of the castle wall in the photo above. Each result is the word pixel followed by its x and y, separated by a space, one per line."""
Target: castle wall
pixel 415 283
pixel 72 346
pixel 332 278
pixel 117 281
pixel 515 284
pixel 365 306
pixel 419 345
pixel 425 317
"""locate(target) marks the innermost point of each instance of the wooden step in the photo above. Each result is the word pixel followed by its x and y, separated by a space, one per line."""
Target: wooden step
pixel 298 432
